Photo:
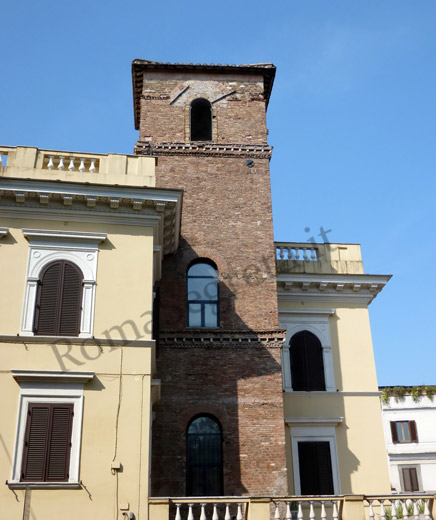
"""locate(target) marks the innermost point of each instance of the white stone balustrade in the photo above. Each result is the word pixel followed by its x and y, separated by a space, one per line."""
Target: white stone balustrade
pixel 72 163
pixel 395 508
pixel 302 252
pixel 207 510
pixel 310 509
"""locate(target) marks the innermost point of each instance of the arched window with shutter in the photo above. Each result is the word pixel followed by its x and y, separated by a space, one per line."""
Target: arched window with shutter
pixel 59 300
pixel 307 364
pixel 201 120
pixel 204 457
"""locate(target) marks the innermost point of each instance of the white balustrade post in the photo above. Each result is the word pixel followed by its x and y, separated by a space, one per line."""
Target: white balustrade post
pixel 371 510
pixel 227 515
pixel 71 165
pixel 427 515
pixel 288 511
pixel 215 513
pixel 382 510
pixel 405 512
pixel 190 514
pixel 61 165
pixel 203 512
pixel 50 164
pixel 336 511
pixel 82 165
pixel 178 516
pixel 92 167
pixel 305 257
pixel 394 510
pixel 277 512
pixel 415 509
pixel 239 514
pixel 281 253
pixel 311 511
pixel 300 511
pixel 323 513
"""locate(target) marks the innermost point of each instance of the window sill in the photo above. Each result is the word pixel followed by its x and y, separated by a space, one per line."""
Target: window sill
pixel 43 485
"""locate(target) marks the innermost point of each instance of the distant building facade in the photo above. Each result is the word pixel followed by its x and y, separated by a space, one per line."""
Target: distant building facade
pixel 410 432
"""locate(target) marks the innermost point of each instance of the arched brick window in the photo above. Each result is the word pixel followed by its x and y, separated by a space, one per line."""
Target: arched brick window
pixel 202 290
pixel 201 120
pixel 307 365
pixel 59 300
pixel 204 457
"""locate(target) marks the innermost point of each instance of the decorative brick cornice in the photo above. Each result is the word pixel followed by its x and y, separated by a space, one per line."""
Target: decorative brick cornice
pixel 206 149
pixel 219 337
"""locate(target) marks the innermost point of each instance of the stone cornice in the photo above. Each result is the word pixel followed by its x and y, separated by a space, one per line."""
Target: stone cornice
pixel 206 149
pixel 159 208
pixel 209 337
pixel 326 287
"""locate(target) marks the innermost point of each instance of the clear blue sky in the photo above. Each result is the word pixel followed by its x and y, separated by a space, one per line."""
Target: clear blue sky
pixel 352 119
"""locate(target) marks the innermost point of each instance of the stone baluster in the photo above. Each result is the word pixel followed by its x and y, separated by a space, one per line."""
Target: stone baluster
pixel 92 167
pixel 382 510
pixel 215 513
pixel 82 165
pixel 305 257
pixel 178 516
pixel 300 510
pixel 281 252
pixel 323 512
pixel 50 164
pixel 190 513
pixel 394 510
pixel 239 514
pixel 297 253
pixel 227 515
pixel 313 254
pixel 1 159
pixel 289 251
pixel 288 515
pixel 404 508
pixel 427 515
pixel 203 512
pixel 335 511
pixel 371 511
pixel 311 511
pixel 415 509
pixel 61 165
pixel 71 165
pixel 277 512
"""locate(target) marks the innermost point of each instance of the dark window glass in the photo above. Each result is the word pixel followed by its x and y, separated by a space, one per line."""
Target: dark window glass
pixel 47 443
pixel 201 120
pixel 59 300
pixel 315 466
pixel 202 289
pixel 204 458
pixel 307 364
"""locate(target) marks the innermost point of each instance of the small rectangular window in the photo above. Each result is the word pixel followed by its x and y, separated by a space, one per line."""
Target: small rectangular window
pixel 404 431
pixel 47 442
pixel 410 479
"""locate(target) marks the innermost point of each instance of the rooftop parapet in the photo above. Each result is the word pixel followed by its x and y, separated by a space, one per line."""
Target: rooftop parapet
pixel 113 169
pixel 296 257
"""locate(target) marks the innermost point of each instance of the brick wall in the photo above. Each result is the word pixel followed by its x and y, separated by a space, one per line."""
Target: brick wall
pixel 226 217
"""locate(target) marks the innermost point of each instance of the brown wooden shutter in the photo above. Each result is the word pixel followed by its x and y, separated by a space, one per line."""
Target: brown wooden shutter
pixel 413 431
pixel 59 300
pixel 70 301
pixel 410 480
pixel 35 443
pixel 394 432
pixel 47 446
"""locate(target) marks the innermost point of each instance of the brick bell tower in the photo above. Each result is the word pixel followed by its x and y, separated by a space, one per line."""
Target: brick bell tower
pixel 218 428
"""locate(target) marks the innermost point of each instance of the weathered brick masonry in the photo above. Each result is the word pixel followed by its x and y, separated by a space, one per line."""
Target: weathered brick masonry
pixel 233 372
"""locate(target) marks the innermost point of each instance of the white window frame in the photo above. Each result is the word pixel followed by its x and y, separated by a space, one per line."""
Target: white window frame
pixel 48 246
pixel 315 434
pixel 43 387
pixel 418 476
pixel 317 322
